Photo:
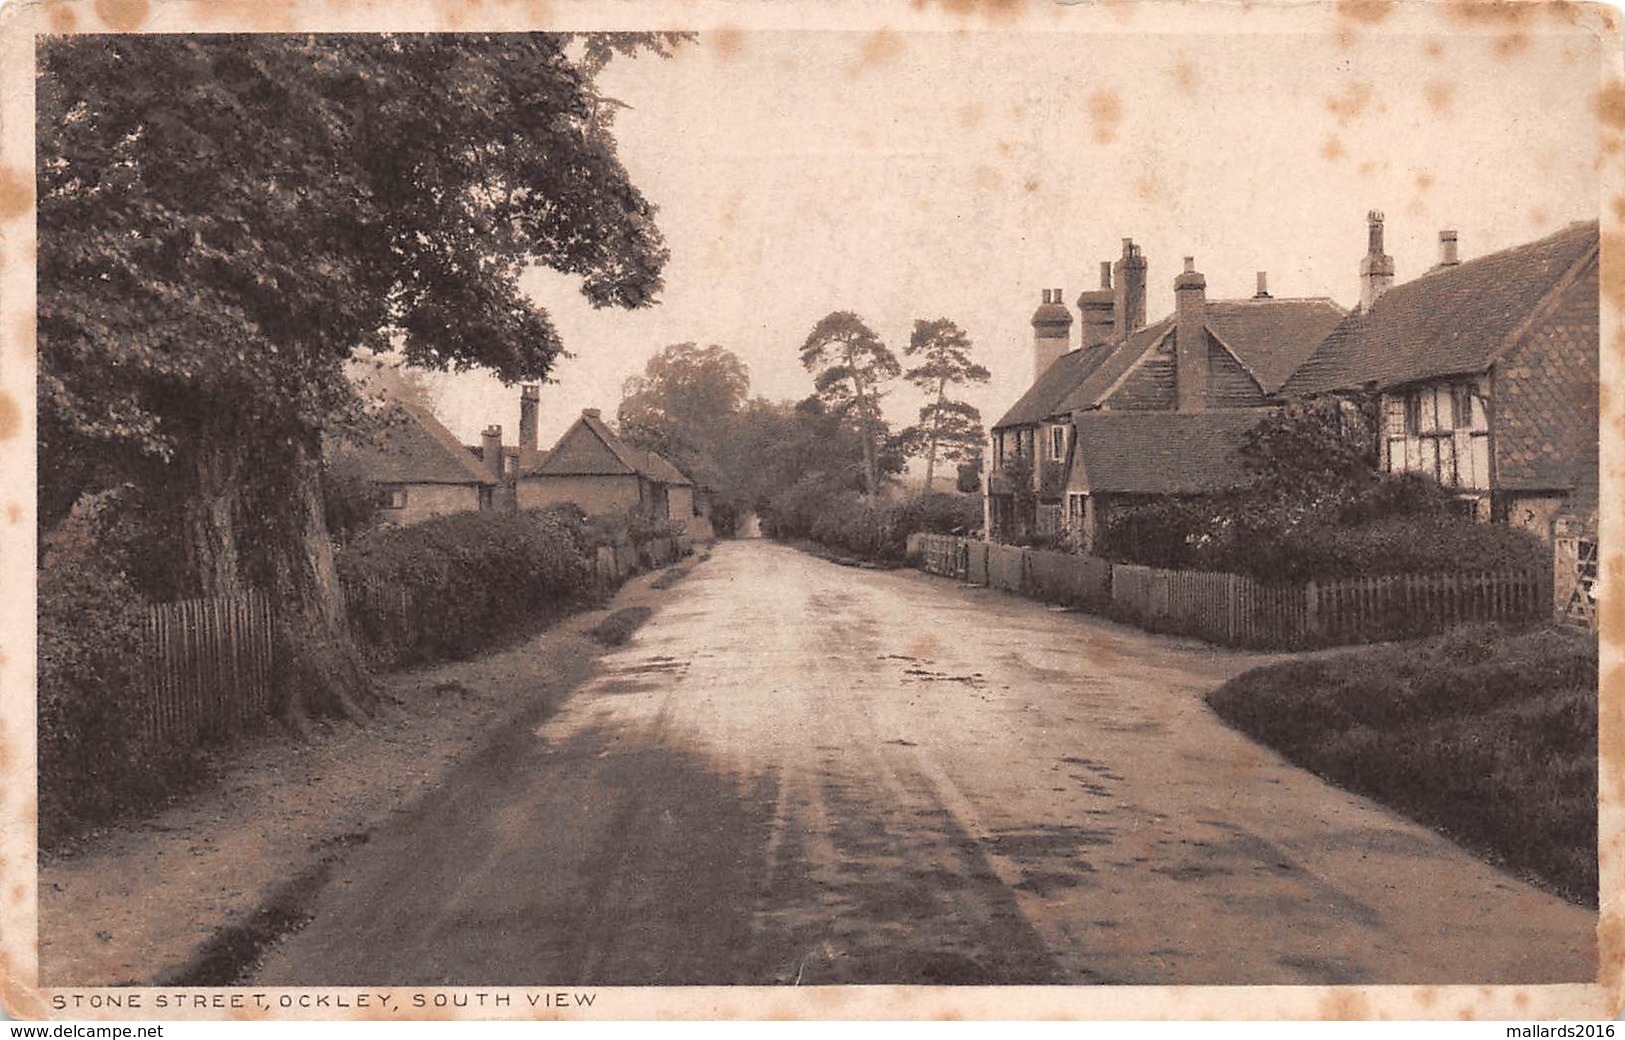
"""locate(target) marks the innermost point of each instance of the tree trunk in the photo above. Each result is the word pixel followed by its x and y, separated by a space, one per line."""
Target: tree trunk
pixel 209 512
pixel 866 437
pixel 931 446
pixel 320 673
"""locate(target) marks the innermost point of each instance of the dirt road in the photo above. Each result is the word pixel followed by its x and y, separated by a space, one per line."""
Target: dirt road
pixel 803 773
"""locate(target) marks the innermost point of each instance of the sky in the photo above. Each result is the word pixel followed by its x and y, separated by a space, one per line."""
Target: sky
pixel 907 175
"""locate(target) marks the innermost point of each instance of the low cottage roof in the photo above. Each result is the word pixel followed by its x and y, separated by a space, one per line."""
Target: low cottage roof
pixel 1272 337
pixel 1161 453
pixel 1044 397
pixel 589 448
pixel 415 448
pixel 1451 321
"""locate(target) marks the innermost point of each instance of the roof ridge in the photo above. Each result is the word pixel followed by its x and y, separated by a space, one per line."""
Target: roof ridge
pixel 447 441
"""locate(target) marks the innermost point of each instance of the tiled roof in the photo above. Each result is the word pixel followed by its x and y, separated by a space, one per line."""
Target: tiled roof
pixel 1089 392
pixel 658 468
pixel 1271 337
pixel 1161 453
pixel 590 448
pixel 1044 397
pixel 1450 321
pixel 415 448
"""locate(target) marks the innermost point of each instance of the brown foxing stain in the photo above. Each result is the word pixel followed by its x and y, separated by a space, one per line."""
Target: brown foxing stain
pixel 1366 12
pixel 1619 208
pixel 1441 96
pixel 61 19
pixel 1004 11
pixel 1511 45
pixel 261 15
pixel 971 115
pixel 16 193
pixel 1030 185
pixel 1005 147
pixel 1351 103
pixel 1342 1005
pixel 1424 181
pixel 19 893
pixel 1433 48
pixel 14 513
pixel 1184 73
pixel 879 47
pixel 1372 167
pixel 1332 149
pixel 11 417
pixel 726 42
pixel 1538 217
pixel 1608 104
pixel 1105 112
pixel 122 15
pixel 1145 188
pixel 987 178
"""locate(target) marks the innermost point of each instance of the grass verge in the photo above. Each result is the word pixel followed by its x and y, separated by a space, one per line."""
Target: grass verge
pixel 1486 734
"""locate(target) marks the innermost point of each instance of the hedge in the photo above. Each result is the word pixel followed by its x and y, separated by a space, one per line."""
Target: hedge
pixel 879 531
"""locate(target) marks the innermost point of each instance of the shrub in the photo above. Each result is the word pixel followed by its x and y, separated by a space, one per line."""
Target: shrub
pixel 93 760
pixel 877 531
pixel 471 579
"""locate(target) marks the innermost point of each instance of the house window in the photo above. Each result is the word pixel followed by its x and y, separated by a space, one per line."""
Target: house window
pixel 998 450
pixel 510 463
pixel 1057 443
pixel 1440 431
pixel 395 498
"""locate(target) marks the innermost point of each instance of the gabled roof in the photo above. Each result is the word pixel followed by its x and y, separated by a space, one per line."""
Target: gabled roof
pixel 1091 391
pixel 659 468
pixel 415 448
pixel 1044 397
pixel 1160 453
pixel 589 448
pixel 1450 321
pixel 1272 337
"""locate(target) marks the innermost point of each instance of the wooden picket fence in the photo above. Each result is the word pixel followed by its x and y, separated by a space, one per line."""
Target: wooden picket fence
pixel 209 669
pixel 1236 610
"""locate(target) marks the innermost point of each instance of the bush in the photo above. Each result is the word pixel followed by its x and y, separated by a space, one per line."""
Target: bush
pixel 1401 526
pixel 93 761
pixel 1486 733
pixel 879 531
pixel 471 579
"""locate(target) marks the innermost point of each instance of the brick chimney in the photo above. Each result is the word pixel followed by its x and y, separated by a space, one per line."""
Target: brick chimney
pixel 491 451
pixel 530 405
pixel 1190 343
pixel 1377 267
pixel 1129 274
pixel 1052 331
pixel 1098 309
pixel 1447 248
pixel 1263 292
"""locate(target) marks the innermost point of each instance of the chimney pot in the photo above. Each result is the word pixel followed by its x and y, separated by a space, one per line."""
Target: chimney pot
pixel 1377 267
pixel 591 413
pixel 530 397
pixel 1448 256
pixel 1190 265
pixel 1263 286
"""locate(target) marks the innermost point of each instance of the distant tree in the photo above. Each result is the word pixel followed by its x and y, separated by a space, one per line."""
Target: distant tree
pixel 224 221
pixel 684 403
pixel 949 428
pixel 851 367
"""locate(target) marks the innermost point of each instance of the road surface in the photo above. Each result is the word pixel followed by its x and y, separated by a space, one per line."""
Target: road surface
pixel 803 773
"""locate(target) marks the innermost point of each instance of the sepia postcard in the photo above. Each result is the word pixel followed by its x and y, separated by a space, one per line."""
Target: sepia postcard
pixel 1001 509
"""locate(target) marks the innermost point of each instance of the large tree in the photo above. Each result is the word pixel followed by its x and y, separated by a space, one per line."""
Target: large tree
pixel 225 220
pixel 851 367
pixel 683 403
pixel 949 428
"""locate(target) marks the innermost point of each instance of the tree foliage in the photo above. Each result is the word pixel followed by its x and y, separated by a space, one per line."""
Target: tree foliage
pixel 683 405
pixel 851 367
pixel 949 428
pixel 225 220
